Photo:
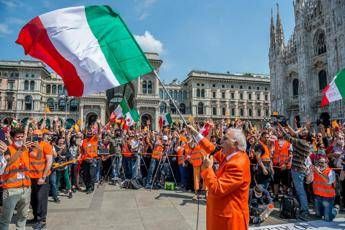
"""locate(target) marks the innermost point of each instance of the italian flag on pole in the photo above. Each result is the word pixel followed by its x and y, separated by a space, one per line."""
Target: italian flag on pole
pixel 165 119
pixel 90 47
pixel 335 90
pixel 132 116
pixel 122 109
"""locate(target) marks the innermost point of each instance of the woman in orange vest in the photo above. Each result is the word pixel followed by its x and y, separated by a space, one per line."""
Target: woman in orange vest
pixel 323 186
pixel 127 157
pixel 16 181
pixel 181 151
pixel 155 159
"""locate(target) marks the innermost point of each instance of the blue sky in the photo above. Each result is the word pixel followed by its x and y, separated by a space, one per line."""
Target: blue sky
pixel 210 35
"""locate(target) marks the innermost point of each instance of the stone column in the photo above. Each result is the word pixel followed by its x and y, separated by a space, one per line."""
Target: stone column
pixel 81 115
pixel 102 115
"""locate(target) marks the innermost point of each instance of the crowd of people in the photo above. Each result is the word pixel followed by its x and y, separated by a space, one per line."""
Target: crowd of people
pixel 38 161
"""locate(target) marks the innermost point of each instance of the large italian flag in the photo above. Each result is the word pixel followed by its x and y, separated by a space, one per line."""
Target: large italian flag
pixel 335 90
pixel 90 47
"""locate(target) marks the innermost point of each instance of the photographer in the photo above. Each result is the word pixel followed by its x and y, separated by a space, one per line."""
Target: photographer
pixel 260 204
pixel 299 166
pixel 156 156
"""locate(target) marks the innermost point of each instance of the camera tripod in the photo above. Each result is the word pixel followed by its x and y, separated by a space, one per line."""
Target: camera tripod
pixel 162 160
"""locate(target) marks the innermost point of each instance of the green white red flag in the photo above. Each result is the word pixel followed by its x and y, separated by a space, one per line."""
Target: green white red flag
pixel 90 47
pixel 122 109
pixel 165 120
pixel 335 90
pixel 132 116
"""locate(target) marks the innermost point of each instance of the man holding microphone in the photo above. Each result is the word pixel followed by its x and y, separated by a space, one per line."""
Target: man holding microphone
pixel 228 188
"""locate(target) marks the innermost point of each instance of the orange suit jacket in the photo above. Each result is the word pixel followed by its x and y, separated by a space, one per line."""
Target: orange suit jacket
pixel 228 192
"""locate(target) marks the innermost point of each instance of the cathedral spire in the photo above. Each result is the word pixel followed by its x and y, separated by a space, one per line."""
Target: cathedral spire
pixel 279 29
pixel 272 32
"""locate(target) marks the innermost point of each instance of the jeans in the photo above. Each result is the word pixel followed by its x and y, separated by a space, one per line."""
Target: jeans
pixel 89 168
pixel 116 167
pixel 52 183
pixel 135 166
pixel 16 198
pixel 152 168
pixel 39 199
pixel 98 170
pixel 325 207
pixel 298 181
pixel 183 176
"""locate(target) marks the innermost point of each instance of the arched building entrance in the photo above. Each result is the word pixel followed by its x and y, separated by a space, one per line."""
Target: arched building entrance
pixel 146 121
pixel 91 118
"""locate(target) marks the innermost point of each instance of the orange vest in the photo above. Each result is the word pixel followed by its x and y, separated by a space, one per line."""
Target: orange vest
pixel 38 160
pixel 90 148
pixel 266 156
pixel 197 155
pixel 17 175
pixel 157 152
pixel 320 186
pixel 180 155
pixel 125 150
pixel 281 155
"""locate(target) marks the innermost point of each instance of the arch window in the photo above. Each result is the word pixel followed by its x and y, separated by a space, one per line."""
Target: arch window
pixel 320 42
pixel 32 85
pixel 172 108
pixel 182 108
pixel 62 104
pixel 202 92
pixel 250 96
pixel 73 106
pixel 322 79
pixel 144 87
pixel 200 108
pixel 149 87
pixel 48 89
pixel 50 104
pixel 28 102
pixel 26 85
pixel 295 87
pixel 163 107
pixel 54 89
pixel 198 93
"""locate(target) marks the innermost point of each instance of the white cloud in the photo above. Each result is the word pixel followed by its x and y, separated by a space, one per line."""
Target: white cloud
pixel 149 43
pixel 4 30
pixel 143 7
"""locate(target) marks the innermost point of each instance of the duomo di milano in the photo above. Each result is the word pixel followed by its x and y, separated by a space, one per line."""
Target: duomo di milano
pixel 298 69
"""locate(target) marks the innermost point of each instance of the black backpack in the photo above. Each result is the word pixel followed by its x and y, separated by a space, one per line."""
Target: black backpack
pixel 289 207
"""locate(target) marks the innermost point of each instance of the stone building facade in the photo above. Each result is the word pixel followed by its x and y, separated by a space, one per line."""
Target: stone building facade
pixel 201 95
pixel 303 66
pixel 27 88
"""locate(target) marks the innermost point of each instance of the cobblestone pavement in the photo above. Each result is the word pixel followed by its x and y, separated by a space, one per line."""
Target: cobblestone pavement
pixel 110 207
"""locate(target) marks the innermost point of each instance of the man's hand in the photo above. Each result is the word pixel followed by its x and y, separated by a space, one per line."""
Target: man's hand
pixel 3 147
pixel 41 181
pixel 207 162
pixel 265 171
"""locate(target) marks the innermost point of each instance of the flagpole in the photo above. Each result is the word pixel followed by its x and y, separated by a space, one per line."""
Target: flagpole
pixel 171 99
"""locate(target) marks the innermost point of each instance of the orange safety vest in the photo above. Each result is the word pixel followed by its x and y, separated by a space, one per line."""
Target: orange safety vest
pixel 17 175
pixel 197 155
pixel 125 150
pixel 38 160
pixel 90 148
pixel 281 155
pixel 320 186
pixel 157 152
pixel 266 156
pixel 180 155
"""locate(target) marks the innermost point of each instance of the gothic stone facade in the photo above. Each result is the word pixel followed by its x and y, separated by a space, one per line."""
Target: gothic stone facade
pixel 27 88
pixel 313 55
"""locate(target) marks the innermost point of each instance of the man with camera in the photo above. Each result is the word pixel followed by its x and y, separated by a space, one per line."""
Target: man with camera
pixel 157 154
pixel 299 166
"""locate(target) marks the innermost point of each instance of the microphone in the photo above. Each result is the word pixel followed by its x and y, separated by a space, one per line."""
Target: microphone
pixel 215 150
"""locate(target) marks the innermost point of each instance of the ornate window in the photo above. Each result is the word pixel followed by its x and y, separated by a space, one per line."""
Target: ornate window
pixel 60 91
pixel 26 85
pixel 48 89
pixel 241 112
pixel 54 89
pixel 202 92
pixel 249 96
pixel 149 87
pixel 214 94
pixel 320 42
pixel 182 108
pixel 144 87
pixel 322 79
pixel 163 107
pixel 197 92
pixel 259 113
pixel 32 85
pixel 250 112
pixel 223 94
pixel 233 112
pixel 295 87
pixel 214 111
pixel 223 111
pixel 200 108
pixel 28 102
pixel 73 105
pixel 62 104
pixel 241 96
pixel 50 104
